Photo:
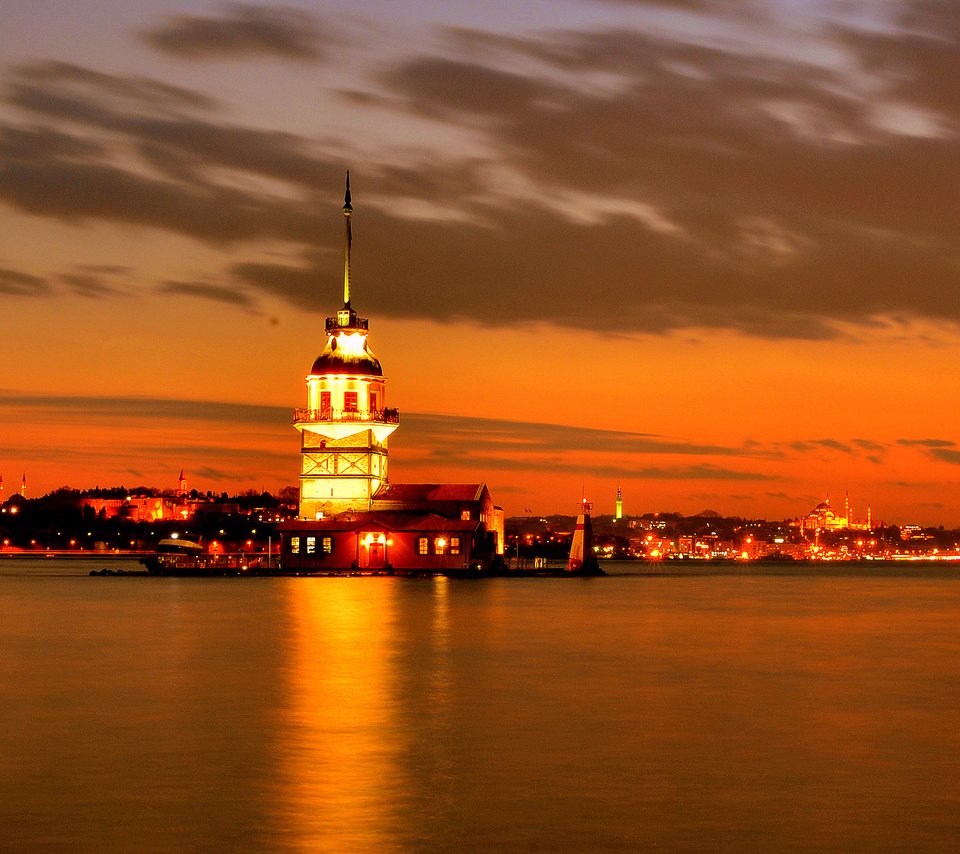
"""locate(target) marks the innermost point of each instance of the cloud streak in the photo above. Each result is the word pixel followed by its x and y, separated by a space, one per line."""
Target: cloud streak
pixel 243 31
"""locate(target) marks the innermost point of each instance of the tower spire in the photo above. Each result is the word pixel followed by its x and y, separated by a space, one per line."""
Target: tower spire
pixel 347 210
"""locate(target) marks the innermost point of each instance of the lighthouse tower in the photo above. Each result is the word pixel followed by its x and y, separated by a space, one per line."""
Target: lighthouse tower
pixel 346 425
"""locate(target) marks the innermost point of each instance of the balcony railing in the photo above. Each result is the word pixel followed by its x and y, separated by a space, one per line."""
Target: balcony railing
pixel 382 416
pixel 355 322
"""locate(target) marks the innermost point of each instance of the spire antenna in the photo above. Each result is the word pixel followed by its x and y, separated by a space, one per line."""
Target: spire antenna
pixel 347 210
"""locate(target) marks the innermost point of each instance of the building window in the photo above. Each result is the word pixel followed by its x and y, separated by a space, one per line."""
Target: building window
pixel 374 401
pixel 423 546
pixel 349 401
pixel 326 545
pixel 465 515
pixel 294 545
pixel 454 545
pixel 440 546
pixel 311 545
pixel 325 402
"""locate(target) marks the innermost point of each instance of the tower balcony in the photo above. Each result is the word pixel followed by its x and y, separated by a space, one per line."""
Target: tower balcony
pixel 335 416
pixel 346 320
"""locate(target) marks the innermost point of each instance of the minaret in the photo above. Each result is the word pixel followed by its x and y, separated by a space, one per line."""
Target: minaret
pixel 1 489
pixel 846 509
pixel 619 513
pixel 23 486
pixel 345 427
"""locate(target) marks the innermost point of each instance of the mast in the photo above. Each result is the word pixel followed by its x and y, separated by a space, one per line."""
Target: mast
pixel 347 210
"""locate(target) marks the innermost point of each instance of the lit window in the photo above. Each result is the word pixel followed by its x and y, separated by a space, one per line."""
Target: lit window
pixel 326 545
pixel 465 515
pixel 325 402
pixel 294 545
pixel 439 546
pixel 311 545
pixel 349 401
pixel 454 545
pixel 423 546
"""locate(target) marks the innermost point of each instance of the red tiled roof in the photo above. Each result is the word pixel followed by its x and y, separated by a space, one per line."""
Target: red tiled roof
pixel 386 520
pixel 411 493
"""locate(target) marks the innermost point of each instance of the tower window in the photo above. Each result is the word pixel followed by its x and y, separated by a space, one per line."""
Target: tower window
pixel 325 402
pixel 349 401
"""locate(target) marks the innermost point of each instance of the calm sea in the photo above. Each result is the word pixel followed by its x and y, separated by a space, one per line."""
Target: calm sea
pixel 775 710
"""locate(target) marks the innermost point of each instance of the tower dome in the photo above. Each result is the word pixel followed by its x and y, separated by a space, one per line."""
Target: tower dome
pixel 347 352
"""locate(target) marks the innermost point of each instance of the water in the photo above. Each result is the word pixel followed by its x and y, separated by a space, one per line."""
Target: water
pixel 775 710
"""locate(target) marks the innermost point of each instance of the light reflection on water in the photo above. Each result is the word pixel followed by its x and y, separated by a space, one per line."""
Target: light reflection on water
pixel 721 712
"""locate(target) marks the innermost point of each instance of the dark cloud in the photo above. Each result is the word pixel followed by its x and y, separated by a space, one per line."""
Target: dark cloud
pixel 15 283
pixel 946 455
pixel 653 183
pixel 147 408
pixel 809 445
pixel 481 443
pixel 131 89
pixel 104 269
pixel 241 32
pixel 203 290
pixel 927 443
pixel 89 285
pixel 451 434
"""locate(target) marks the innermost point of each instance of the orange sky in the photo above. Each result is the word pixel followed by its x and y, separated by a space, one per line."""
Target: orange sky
pixel 705 254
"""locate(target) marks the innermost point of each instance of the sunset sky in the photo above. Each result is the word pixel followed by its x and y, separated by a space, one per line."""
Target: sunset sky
pixel 709 249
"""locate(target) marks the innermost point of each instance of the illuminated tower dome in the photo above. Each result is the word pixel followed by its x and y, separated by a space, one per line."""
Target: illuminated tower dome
pixel 346 424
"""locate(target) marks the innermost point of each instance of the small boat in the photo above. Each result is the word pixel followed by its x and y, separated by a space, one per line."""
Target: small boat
pixel 176 555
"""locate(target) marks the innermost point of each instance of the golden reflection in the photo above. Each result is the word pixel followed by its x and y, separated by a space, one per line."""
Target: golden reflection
pixel 440 641
pixel 340 739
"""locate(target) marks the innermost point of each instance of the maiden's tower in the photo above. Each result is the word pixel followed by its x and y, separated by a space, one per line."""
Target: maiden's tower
pixel 351 517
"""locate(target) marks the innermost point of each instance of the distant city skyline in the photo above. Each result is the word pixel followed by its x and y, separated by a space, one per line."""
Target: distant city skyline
pixel 703 251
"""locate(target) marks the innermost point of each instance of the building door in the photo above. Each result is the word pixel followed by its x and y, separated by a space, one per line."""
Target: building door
pixel 375 556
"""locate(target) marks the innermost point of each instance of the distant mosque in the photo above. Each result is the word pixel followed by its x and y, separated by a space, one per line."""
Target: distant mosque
pixel 824 518
pixel 351 517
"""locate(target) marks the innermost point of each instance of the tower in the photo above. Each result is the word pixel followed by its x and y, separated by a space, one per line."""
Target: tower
pixel 346 424
pixel 23 486
pixel 619 514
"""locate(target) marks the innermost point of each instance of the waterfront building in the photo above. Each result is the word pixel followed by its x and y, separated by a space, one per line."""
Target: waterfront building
pixel 350 516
